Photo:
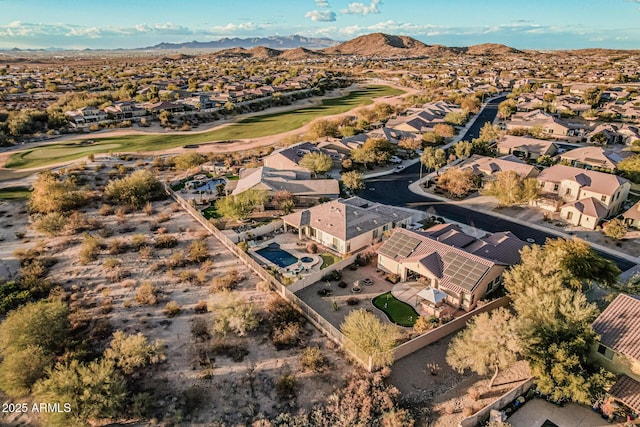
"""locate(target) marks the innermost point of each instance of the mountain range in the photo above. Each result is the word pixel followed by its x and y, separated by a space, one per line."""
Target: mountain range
pixel 272 42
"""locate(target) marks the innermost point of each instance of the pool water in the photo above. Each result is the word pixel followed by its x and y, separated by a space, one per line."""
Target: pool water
pixel 277 256
pixel 306 259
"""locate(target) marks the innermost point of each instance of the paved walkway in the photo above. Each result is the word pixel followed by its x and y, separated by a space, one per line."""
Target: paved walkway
pixel 535 412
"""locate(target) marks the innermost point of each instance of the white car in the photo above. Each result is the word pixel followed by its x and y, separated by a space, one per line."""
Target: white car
pixel 395 160
pixel 399 168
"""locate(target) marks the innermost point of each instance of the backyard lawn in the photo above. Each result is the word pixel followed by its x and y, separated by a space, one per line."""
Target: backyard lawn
pixel 397 311
pixel 14 193
pixel 251 127
pixel 328 259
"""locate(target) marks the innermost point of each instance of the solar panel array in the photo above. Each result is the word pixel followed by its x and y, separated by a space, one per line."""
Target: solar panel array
pixel 399 245
pixel 463 271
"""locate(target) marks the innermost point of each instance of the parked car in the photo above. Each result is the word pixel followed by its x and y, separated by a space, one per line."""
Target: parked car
pixel 395 160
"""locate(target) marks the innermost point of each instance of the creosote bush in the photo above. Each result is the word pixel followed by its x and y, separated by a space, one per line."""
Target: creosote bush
pixel 147 294
pixel 171 309
pixel 226 282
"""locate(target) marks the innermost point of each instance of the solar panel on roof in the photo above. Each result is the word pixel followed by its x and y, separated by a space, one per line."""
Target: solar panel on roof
pixel 463 271
pixel 399 245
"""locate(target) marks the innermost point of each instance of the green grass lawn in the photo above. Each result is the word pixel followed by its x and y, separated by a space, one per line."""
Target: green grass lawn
pixel 14 193
pixel 397 311
pixel 328 259
pixel 211 212
pixel 251 127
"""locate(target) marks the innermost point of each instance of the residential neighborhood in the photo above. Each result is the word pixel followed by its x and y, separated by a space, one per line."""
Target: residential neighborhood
pixel 377 231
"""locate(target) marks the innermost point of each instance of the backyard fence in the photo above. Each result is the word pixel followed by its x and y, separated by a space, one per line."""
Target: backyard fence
pixel 483 414
pixel 258 231
pixel 362 357
pixel 367 360
pixel 448 328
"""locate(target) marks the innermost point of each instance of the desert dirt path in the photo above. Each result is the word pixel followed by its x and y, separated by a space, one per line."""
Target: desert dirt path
pixel 214 146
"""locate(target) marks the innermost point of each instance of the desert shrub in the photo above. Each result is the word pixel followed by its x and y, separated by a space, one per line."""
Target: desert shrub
pixel 287 336
pixel 244 246
pixel 138 241
pixel 121 213
pixel 286 386
pixel 189 159
pixel 312 359
pixel 189 276
pixel 148 209
pixel 20 370
pixel 235 352
pixel 324 292
pixel 234 314
pixel 312 248
pixel 106 210
pixel 200 307
pixel 352 301
pixel 135 190
pixel 176 260
pixel 89 249
pixel 51 224
pixel 147 294
pixel 423 324
pixel 166 241
pixel 332 276
pixel 226 282
pixel 51 193
pixel 281 312
pixel 342 284
pixel 133 352
pixel 171 309
pixel 198 251
pixel 371 335
pixel 111 263
pixel 200 329
pixel 163 217
pixel 117 246
pixel 146 252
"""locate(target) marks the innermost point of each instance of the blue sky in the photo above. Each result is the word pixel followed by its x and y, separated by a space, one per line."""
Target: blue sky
pixel 534 24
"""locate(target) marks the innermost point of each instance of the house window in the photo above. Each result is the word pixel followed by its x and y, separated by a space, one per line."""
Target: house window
pixel 603 198
pixel 605 351
pixel 569 215
pixel 568 192
pixel 375 233
pixel 555 187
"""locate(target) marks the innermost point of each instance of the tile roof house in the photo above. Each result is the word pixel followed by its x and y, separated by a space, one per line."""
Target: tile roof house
pixel 87 114
pixel 289 158
pixel 618 349
pixel 632 216
pixel 489 166
pixel 526 148
pixel 347 225
pixel 464 267
pixel 583 197
pixel 298 183
pixel 550 127
pixel 595 157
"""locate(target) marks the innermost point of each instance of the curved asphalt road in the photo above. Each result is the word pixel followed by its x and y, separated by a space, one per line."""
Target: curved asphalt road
pixel 393 190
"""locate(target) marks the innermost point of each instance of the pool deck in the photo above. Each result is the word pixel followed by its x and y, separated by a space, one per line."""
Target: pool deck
pixel 288 242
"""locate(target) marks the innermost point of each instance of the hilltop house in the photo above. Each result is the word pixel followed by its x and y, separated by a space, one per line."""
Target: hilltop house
pixel 526 148
pixel 465 268
pixel 298 182
pixel 347 225
pixel 618 349
pixel 583 197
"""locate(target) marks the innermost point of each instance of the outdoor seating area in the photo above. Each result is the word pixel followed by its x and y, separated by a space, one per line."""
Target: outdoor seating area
pixel 280 250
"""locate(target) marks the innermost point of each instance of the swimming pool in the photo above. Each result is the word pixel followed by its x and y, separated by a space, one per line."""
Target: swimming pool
pixel 210 184
pixel 277 256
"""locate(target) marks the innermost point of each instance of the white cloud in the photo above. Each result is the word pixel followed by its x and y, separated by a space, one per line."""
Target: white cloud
pixel 358 8
pixel 322 3
pixel 232 28
pixel 321 15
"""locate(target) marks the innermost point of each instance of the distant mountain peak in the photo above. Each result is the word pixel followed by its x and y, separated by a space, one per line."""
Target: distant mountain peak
pixel 271 42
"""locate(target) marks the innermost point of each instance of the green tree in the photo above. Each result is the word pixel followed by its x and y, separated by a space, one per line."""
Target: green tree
pixel 511 189
pixel 456 118
pixel 432 158
pixel 233 314
pixel 630 168
pixel 135 190
pixel 189 160
pixel 21 369
pixel 285 200
pixel 40 324
pixel 95 391
pixel 458 182
pixel 316 162
pixel 133 352
pixel 242 205
pixel 489 133
pixel 353 180
pixel 410 144
pixel 488 343
pixel 52 193
pixel 506 108
pixel 165 117
pixel 444 130
pixel 372 336
pixel 616 229
pixel 323 128
pixel 462 149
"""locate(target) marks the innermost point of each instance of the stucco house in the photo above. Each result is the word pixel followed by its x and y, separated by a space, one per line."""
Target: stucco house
pixel 618 348
pixel 632 216
pixel 299 183
pixel 526 148
pixel 289 158
pixel 347 225
pixel 595 157
pixel 583 197
pixel 489 166
pixel 444 258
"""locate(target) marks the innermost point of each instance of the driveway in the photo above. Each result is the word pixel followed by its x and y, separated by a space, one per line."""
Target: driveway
pixel 535 412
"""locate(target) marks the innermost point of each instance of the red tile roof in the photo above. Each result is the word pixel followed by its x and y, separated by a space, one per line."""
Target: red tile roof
pixel 619 326
pixel 627 391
